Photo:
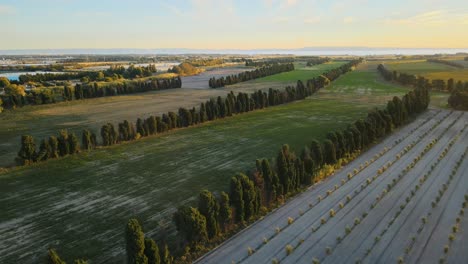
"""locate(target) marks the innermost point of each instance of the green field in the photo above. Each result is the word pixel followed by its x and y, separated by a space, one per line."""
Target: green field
pixel 80 204
pixel 429 69
pixel 300 73
pixel 45 120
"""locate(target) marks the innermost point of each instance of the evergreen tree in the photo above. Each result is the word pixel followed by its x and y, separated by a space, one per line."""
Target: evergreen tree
pixel 135 240
pixel 191 224
pixel 86 140
pixel 316 153
pixel 329 152
pixel 225 212
pixel 54 150
pixel 237 199
pixel 27 153
pixel 152 251
pixel 44 151
pixel 73 143
pixel 248 195
pixel 208 206
pixel 166 257
pixel 63 143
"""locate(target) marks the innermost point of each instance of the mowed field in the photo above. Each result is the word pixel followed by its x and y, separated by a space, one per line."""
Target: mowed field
pixel 45 120
pixel 80 204
pixel 401 204
pixel 429 70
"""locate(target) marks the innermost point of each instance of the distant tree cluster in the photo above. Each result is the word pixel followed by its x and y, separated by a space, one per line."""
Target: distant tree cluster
pixel 418 81
pixel 459 96
pixel 267 62
pixel 17 96
pixel 131 72
pixel 250 75
pixel 317 61
pixel 113 73
pixel 185 69
pixel 65 76
pixel 447 62
pixel 206 62
pixel 253 193
pixel 32 68
pixel 92 90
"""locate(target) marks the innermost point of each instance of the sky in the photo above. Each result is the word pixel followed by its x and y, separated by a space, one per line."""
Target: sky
pixel 232 24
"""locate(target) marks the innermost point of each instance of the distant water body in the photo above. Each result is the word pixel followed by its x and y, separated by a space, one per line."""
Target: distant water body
pixel 357 51
pixel 14 76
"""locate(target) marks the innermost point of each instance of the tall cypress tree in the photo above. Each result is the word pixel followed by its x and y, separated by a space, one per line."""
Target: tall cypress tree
pixel 208 206
pixel 73 143
pixel 237 199
pixel 135 239
pixel 152 251
pixel 225 212
pixel 27 153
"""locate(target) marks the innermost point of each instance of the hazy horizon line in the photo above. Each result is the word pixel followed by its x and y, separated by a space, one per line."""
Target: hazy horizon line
pixel 181 51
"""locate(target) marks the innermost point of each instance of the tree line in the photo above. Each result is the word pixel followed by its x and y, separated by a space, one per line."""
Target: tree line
pixel 251 75
pixel 418 81
pixel 132 71
pixel 17 96
pixel 113 73
pixel 216 214
pixel 139 248
pixel 32 68
pixel 447 62
pixel 67 144
pixel 317 61
pixel 206 62
pixel 252 194
pixel 185 69
pixel 267 62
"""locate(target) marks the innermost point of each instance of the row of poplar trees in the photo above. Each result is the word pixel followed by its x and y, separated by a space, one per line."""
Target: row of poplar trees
pixel 210 110
pixel 88 90
pixel 251 75
pixel 418 81
pixel 252 194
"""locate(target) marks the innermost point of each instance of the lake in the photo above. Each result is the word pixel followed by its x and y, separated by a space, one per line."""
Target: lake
pixel 14 76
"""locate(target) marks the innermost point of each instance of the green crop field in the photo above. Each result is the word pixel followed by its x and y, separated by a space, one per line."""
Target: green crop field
pixel 301 72
pixel 80 204
pixel 429 69
pixel 45 120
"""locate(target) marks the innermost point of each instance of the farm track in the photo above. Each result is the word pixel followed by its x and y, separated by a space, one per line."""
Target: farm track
pixel 374 214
